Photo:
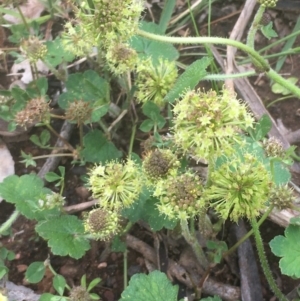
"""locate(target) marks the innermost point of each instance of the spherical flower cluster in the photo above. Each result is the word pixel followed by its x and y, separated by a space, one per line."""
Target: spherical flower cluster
pixel 76 40
pixel 267 3
pixel 102 224
pixel 155 80
pixel 36 110
pixel 207 124
pixel 79 111
pixel 282 197
pixel 49 201
pixel 121 58
pixel 79 293
pixel 33 48
pixel 239 188
pixel 112 21
pixel 180 196
pixel 160 163
pixel 274 148
pixel 116 185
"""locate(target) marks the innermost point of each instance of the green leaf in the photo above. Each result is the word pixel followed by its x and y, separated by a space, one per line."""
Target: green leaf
pixel 148 48
pixel 217 248
pixel 52 177
pixel 150 109
pixel 35 272
pixel 146 126
pixel 118 245
pixel 268 31
pixel 41 140
pixel 57 53
pixel 93 283
pixel 51 297
pixel 28 159
pixel 88 87
pixel 262 128
pixel 59 283
pixel 152 287
pixel 288 247
pixel 189 78
pixel 25 192
pixel 279 89
pixel 65 235
pixel 98 149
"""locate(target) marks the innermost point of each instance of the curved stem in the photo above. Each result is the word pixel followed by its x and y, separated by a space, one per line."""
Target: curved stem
pixel 193 242
pixel 245 237
pixel 264 261
pixel 5 226
pixel 255 26
pixel 259 60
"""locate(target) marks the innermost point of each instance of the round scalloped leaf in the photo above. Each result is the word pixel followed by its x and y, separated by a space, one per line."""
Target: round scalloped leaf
pixel 65 235
pixel 288 247
pixel 153 287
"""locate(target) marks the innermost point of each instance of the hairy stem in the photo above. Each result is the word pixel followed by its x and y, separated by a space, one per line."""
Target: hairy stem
pixel 264 262
pixel 255 26
pixel 255 56
pixel 193 242
pixel 6 225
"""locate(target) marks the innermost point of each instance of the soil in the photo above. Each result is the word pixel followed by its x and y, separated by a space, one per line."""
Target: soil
pixel 28 247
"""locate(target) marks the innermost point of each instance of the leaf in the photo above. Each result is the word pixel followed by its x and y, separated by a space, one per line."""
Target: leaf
pixel 152 287
pixel 146 126
pixel 262 127
pixel 118 245
pixel 268 31
pixel 150 109
pixel 279 89
pixel 98 149
pixel 59 283
pixel 88 87
pixel 288 247
pixel 189 78
pixel 57 54
pixel 64 235
pixel 35 272
pixel 148 48
pixel 52 177
pixel 25 192
pixel 214 298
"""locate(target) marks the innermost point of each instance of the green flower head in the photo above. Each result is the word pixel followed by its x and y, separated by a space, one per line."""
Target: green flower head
pixel 180 196
pixel 207 124
pixel 33 48
pixel 154 81
pixel 113 20
pixel 102 224
pixel 79 293
pixel 239 188
pixel 267 3
pixel 282 197
pixel 160 163
pixel 121 58
pixel 116 185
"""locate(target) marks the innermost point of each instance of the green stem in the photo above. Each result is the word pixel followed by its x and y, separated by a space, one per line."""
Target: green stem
pixel 264 65
pixel 255 26
pixel 132 140
pixel 48 264
pixel 245 237
pixel 5 226
pixel 264 261
pixel 193 242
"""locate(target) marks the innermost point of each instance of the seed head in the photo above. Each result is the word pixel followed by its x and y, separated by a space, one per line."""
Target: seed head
pixel 33 48
pixel 79 111
pixel 180 196
pixel 207 124
pixel 282 197
pixel 102 224
pixel 79 293
pixel 36 110
pixel 121 58
pixel 274 148
pixel 160 163
pixel 49 201
pixel 116 185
